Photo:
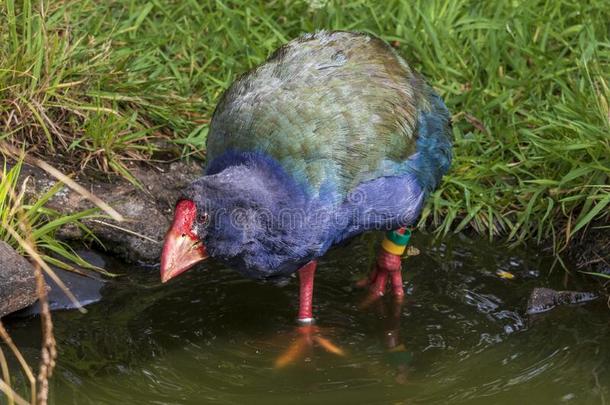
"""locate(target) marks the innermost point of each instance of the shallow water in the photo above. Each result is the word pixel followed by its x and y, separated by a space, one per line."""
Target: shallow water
pixel 462 336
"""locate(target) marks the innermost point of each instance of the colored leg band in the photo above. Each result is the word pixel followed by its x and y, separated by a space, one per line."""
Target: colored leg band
pixel 392 247
pixel 396 243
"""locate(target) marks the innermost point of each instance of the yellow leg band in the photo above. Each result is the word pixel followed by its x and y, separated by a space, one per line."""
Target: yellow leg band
pixel 392 247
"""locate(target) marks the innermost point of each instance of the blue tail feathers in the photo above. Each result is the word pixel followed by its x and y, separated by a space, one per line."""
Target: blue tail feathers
pixel 433 144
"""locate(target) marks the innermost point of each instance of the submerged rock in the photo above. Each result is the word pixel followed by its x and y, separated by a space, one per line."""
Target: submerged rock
pixel 86 289
pixel 17 281
pixel 545 299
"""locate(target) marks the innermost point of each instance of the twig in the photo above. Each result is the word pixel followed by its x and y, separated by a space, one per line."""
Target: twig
pixel 4 387
pixel 79 189
pixel 6 376
pixel 129 231
pixel 48 351
pixel 24 365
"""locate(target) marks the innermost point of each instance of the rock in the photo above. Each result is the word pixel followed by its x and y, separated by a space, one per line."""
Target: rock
pixel 545 299
pixel 147 211
pixel 17 281
pixel 86 289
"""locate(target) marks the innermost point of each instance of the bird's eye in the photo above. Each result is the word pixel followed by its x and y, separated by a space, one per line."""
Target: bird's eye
pixel 203 219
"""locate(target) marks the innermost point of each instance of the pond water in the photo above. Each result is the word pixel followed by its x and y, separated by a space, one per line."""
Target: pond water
pixel 461 336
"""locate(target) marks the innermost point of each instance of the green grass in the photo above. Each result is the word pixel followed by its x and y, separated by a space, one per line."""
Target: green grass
pixel 33 223
pixel 105 83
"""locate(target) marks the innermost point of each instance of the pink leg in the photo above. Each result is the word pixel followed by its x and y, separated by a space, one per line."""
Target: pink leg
pixel 388 266
pixel 397 288
pixel 306 277
pixel 308 333
pixel 377 287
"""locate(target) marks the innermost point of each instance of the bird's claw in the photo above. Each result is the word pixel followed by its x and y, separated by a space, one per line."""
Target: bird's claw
pixel 388 267
pixel 307 336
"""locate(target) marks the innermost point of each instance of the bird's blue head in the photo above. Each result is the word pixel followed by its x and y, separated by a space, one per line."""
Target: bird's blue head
pixel 247 212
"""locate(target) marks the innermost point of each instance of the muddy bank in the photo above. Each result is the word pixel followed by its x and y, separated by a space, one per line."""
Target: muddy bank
pixel 147 211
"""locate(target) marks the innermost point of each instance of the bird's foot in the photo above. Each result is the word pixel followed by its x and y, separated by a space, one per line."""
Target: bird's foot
pixel 387 268
pixel 307 336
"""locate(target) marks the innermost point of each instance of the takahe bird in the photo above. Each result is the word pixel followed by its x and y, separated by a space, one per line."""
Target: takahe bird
pixel 332 136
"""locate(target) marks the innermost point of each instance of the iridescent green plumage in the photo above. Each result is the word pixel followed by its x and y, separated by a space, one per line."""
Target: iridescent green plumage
pixel 334 109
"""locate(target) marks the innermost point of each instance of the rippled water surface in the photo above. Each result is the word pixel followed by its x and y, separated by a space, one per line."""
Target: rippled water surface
pixel 462 336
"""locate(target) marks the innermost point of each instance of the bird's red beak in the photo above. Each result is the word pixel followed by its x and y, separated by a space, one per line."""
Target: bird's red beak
pixel 182 248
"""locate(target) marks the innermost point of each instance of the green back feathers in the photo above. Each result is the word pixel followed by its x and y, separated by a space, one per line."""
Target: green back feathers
pixel 330 107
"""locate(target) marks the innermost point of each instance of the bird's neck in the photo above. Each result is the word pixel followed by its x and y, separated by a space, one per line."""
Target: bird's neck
pixel 256 176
